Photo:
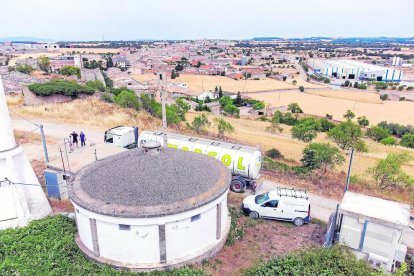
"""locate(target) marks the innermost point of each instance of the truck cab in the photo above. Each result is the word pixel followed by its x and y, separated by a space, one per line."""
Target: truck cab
pixel 281 204
pixel 121 136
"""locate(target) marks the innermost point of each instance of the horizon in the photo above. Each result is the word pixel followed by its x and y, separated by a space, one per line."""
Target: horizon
pixel 106 20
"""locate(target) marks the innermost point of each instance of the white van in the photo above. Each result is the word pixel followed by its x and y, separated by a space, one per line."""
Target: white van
pixel 280 204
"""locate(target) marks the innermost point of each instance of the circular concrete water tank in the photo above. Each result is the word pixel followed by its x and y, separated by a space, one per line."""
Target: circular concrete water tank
pixel 151 208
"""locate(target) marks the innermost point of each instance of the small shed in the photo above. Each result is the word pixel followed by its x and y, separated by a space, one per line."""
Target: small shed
pixel 373 228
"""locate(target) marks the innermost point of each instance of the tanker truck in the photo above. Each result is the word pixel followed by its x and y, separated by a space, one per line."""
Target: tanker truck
pixel 244 162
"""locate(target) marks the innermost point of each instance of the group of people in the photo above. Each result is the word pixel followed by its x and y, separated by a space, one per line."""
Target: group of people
pixel 73 140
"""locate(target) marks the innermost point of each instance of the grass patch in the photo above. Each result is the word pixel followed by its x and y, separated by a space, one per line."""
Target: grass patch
pixel 47 247
pixel 337 260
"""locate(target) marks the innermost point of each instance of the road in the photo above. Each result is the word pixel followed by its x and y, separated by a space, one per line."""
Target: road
pixel 322 207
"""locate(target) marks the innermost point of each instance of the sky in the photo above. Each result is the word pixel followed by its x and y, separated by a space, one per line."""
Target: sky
pixel 197 19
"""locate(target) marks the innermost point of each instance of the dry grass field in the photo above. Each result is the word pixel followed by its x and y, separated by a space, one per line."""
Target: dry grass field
pixel 89 112
pixel 206 83
pixel 252 132
pixel 327 102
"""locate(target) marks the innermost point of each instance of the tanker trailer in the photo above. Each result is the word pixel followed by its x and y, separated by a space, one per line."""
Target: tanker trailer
pixel 244 162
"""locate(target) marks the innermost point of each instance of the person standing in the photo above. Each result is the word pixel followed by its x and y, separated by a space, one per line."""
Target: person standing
pixel 75 139
pixel 82 139
pixel 70 143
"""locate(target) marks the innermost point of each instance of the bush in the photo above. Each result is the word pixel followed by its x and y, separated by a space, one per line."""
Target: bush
pixel 69 71
pixel 127 99
pixel 301 88
pixel 397 129
pixel 360 146
pixel 326 125
pixel 407 141
pixel 294 108
pixel 231 109
pixel 362 86
pixel 389 141
pixel 274 153
pixel 363 121
pixel 384 97
pixel 47 247
pixel 329 116
pixel 378 133
pixel 106 97
pixel 337 260
pixel 63 87
pixel 401 99
pixel 24 68
pixel 96 85
pixel 259 105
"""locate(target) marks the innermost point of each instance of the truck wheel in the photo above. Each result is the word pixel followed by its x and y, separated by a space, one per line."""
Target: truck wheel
pixel 298 221
pixel 237 186
pixel 254 215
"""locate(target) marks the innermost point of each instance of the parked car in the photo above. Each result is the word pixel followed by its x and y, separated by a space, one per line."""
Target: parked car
pixel 279 204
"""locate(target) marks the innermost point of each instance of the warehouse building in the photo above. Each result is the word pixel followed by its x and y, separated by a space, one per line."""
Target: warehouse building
pixel 151 208
pixel 354 70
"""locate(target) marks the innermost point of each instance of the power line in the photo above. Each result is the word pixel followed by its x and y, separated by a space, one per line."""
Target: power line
pixel 17 114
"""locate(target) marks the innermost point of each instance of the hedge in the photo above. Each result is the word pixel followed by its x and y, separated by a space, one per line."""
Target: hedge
pixel 62 87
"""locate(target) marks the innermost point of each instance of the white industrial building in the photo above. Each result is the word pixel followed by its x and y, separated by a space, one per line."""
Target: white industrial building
pixel 21 196
pixel 151 208
pixel 373 228
pixel 354 70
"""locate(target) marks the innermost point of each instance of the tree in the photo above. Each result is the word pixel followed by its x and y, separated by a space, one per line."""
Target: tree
pixel 24 68
pixel 349 115
pixel 294 82
pixel 294 108
pixel 345 134
pixel 301 88
pixel 127 99
pixel 220 91
pixel 388 172
pixel 231 109
pixel 109 62
pixel 363 121
pixel 182 108
pixel 238 101
pixel 378 133
pixel 347 83
pixel 321 156
pixel 326 125
pixel 199 123
pixel 306 130
pixel 225 100
pixel 407 140
pixel 223 127
pixel 44 63
pixel 384 97
pixel 274 127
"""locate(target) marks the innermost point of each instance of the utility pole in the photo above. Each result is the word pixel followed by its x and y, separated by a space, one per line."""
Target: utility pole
pixel 348 178
pixel 42 134
pixel 161 79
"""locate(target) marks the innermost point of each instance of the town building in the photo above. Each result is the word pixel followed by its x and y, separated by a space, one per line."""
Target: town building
pixel 151 208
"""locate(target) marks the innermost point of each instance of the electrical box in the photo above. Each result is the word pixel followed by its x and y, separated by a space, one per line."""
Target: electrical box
pixel 56 184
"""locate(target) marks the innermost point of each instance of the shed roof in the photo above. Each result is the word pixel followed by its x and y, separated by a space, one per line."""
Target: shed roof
pixel 377 208
pixel 135 184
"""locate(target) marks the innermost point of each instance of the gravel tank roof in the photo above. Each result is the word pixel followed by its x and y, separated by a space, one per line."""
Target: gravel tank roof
pixel 135 184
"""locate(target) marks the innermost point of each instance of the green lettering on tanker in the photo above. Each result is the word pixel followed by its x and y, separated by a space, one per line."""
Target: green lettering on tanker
pixel 226 160
pixel 185 148
pixel 198 151
pixel 212 154
pixel 240 164
pixel 172 146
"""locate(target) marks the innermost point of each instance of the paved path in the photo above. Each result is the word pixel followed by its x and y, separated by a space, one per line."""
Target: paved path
pixel 79 158
pixel 322 208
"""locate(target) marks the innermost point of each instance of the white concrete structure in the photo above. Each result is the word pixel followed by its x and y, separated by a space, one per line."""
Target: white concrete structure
pixel 141 210
pixel 21 196
pixel 354 70
pixel 374 228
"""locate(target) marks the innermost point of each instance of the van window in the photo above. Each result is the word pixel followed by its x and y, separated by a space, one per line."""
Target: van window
pixel 271 203
pixel 259 199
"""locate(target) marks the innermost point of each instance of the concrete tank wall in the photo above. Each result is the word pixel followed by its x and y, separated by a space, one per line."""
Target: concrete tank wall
pixel 187 235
